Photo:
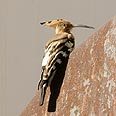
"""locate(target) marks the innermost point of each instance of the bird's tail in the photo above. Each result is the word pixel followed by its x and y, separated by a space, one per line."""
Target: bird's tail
pixel 42 88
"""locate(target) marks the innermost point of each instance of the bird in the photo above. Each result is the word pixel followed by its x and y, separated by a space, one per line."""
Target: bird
pixel 57 49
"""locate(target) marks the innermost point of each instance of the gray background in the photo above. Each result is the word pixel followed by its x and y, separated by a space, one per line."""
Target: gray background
pixel 22 41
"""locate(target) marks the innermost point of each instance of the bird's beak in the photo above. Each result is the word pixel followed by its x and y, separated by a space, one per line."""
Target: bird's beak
pixel 84 26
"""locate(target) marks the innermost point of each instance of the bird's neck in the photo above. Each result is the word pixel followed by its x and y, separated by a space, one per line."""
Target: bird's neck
pixel 61 31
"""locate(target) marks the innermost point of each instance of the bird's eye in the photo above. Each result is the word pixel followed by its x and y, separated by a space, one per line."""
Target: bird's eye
pixel 61 25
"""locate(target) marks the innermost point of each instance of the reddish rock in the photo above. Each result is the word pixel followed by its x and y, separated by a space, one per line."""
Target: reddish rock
pixel 89 85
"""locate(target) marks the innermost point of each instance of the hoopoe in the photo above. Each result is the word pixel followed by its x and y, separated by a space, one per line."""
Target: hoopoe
pixel 56 51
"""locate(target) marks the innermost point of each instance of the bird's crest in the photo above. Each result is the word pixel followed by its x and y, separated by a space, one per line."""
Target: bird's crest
pixel 61 25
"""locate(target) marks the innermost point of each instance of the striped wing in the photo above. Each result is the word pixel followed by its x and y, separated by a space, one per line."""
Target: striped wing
pixel 55 53
pixel 54 56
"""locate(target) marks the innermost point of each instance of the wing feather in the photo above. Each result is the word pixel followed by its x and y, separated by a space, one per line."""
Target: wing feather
pixel 55 53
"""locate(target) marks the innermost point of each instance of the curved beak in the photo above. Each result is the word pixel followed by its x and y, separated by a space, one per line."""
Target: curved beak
pixel 84 26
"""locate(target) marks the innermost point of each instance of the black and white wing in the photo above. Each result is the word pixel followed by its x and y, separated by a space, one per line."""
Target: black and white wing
pixel 55 53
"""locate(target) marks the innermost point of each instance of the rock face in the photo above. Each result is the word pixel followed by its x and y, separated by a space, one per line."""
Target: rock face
pixel 89 85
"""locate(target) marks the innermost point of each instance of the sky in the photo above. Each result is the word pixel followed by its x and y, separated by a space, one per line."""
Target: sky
pixel 22 41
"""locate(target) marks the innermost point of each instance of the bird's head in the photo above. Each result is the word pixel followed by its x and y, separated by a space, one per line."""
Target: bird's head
pixel 61 25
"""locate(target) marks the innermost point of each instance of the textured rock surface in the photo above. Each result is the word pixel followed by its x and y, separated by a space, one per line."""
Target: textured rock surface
pixel 89 86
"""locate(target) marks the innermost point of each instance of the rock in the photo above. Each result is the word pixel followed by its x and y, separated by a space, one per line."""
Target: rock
pixel 89 85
